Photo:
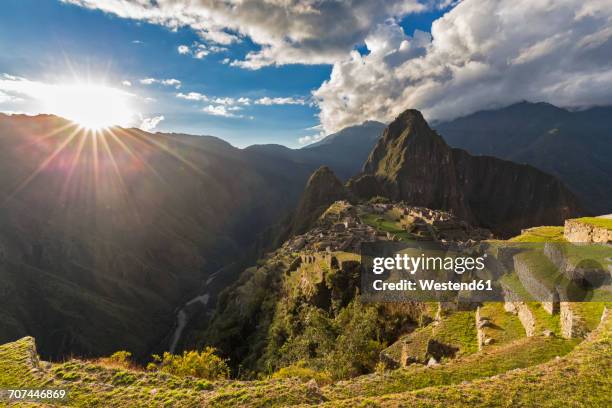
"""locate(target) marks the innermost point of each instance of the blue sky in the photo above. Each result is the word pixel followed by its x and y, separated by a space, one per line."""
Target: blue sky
pixel 49 41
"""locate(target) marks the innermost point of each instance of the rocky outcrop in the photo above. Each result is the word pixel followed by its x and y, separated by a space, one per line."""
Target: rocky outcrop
pixel 411 162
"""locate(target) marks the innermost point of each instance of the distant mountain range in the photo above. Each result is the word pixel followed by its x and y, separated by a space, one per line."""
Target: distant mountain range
pixel 344 152
pixel 575 146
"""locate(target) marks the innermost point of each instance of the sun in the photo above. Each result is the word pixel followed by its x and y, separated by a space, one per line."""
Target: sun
pixel 92 106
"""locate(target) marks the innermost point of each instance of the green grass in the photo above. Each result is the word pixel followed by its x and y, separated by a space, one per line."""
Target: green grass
pixel 524 352
pixel 512 282
pixel 596 221
pixel 506 326
pixel 540 234
pixel 15 365
pixel 582 378
pixel 491 375
pixel 543 319
pixel 590 312
pixel 459 330
pixel 386 225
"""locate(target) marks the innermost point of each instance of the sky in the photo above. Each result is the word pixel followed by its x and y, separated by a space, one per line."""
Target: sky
pixel 291 71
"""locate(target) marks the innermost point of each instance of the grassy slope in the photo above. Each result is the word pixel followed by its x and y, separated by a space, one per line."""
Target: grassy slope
pixel 505 327
pixel 581 378
pixel 540 234
pixel 492 361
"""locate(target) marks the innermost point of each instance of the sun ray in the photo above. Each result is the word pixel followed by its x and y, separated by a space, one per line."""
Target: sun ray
pixel 115 166
pixel 75 162
pixel 133 154
pixel 42 166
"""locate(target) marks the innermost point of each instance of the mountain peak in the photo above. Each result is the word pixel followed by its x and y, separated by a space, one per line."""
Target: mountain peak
pixel 410 121
pixel 323 189
pixel 412 163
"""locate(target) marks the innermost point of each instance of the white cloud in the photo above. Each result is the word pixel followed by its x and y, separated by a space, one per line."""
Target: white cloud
pixel 171 82
pixel 220 110
pixel 296 31
pixel 200 54
pixel 306 140
pixel 148 81
pixel 219 37
pixel 192 96
pixel 483 54
pixel 166 82
pixel 198 50
pixel 149 124
pixel 126 83
pixel 280 101
pixel 5 97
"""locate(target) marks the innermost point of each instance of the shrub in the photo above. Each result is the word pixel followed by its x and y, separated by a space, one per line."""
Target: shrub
pixel 202 364
pixel 119 359
pixel 299 370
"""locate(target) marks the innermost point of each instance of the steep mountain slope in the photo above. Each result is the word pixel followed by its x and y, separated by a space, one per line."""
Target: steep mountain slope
pixel 103 235
pixel 322 190
pixel 343 152
pixel 411 162
pixel 574 146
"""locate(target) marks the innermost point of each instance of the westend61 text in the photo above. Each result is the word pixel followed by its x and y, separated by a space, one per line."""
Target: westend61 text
pixel 432 285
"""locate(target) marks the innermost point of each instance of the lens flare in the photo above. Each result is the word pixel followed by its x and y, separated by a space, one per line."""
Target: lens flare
pixel 91 106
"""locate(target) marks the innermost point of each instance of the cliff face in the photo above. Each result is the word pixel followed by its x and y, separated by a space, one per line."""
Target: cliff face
pixel 411 162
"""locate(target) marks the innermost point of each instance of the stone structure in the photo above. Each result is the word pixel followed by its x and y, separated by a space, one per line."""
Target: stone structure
pixel 572 324
pixel 542 292
pixel 524 314
pixel 578 231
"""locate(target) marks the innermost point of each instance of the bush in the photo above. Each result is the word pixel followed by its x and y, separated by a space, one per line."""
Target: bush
pixel 299 370
pixel 119 359
pixel 379 200
pixel 201 364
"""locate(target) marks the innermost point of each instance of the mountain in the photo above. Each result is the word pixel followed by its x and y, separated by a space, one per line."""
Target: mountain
pixel 575 146
pixel 323 189
pixel 343 152
pixel 411 162
pixel 365 134
pixel 103 235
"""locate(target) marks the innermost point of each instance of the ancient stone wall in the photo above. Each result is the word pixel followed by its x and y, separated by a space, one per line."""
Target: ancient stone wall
pixel 524 314
pixel 572 325
pixel 577 231
pixel 541 292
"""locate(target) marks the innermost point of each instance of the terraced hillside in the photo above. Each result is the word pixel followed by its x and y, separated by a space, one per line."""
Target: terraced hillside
pixel 297 331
